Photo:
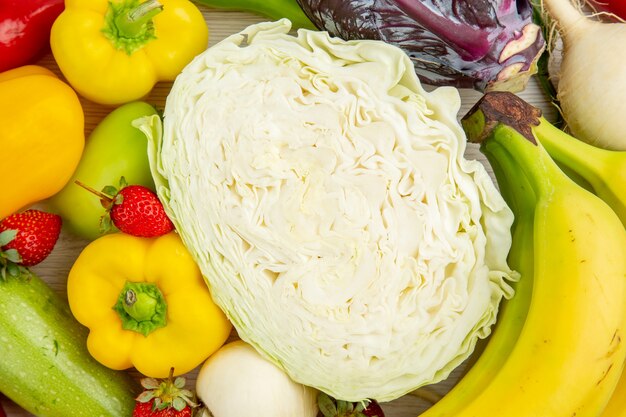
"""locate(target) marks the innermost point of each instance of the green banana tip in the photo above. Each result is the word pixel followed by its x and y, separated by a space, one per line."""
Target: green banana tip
pixel 500 107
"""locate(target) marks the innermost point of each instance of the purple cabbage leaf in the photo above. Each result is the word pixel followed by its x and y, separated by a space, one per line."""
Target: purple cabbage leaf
pixel 481 44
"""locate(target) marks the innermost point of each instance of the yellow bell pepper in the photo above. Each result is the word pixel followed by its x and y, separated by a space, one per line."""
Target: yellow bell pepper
pixel 41 136
pixel 146 305
pixel 115 51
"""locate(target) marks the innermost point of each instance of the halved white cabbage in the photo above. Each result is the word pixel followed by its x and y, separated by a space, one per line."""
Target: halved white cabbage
pixel 325 196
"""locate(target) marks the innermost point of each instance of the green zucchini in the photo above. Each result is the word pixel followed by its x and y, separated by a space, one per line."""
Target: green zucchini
pixel 45 367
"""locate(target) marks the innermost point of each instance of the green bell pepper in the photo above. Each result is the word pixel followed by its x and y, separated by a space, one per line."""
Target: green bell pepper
pixel 273 9
pixel 113 150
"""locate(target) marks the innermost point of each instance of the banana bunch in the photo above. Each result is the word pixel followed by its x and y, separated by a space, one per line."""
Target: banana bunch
pixel 559 346
pixel 600 170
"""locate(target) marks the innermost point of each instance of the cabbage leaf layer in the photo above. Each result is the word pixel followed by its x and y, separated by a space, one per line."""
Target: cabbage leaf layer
pixel 325 196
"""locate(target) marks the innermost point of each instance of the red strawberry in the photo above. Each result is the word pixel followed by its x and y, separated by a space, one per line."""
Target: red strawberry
pixel 134 209
pixel 164 398
pixel 330 407
pixel 148 409
pixel 374 409
pixel 137 211
pixel 27 238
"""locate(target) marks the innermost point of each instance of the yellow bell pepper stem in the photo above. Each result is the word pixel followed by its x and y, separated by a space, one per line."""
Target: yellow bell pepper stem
pixel 141 307
pixel 134 22
pixel 129 25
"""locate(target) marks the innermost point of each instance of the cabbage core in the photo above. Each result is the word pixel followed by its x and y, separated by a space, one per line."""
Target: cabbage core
pixel 325 196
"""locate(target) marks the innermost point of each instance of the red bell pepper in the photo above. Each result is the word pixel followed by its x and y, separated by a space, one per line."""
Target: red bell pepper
pixel 25 30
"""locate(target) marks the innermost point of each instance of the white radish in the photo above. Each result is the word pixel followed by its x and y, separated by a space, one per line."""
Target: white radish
pixel 237 382
pixel 592 78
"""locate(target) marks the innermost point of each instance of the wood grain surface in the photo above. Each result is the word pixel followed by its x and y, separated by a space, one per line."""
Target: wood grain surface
pixel 221 24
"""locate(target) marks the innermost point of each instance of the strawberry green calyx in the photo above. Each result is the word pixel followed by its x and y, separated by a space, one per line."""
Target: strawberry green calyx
pixel 141 307
pixel 10 258
pixel 330 407
pixel 129 25
pixel 109 196
pixel 166 393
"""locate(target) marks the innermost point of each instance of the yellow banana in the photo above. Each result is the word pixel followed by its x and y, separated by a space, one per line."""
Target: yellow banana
pixel 569 353
pixel 617 404
pixel 520 197
pixel 603 169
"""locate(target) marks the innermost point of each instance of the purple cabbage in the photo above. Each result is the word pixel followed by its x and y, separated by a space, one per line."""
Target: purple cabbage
pixel 480 44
